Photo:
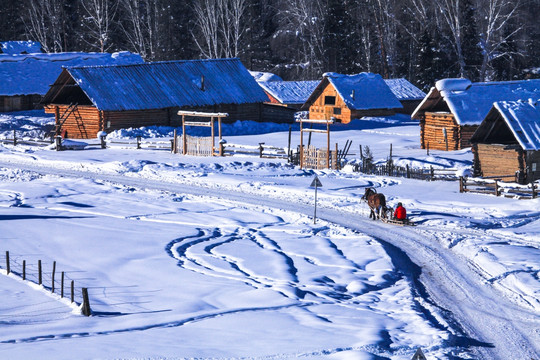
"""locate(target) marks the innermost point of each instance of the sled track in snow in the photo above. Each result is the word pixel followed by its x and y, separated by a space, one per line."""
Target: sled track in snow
pixel 480 318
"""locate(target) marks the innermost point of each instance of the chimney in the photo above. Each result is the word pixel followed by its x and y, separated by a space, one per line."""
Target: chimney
pixel 352 94
pixel 202 83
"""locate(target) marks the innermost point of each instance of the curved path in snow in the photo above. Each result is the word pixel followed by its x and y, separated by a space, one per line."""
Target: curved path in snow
pixel 451 292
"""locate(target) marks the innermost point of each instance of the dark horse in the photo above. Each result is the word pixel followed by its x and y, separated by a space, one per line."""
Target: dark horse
pixel 376 202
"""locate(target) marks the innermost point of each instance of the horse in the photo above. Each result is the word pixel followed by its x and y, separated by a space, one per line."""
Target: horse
pixel 376 202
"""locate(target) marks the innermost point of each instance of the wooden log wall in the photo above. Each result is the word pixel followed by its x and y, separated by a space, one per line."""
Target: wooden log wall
pixel 84 123
pixel 493 160
pixel 252 111
pixel 87 120
pixel 533 164
pixel 465 135
pixel 431 131
pixel 116 120
pixel 278 113
pixel 20 103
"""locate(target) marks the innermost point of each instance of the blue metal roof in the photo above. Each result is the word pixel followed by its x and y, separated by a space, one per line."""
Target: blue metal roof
pixel 159 85
pixel 28 74
pixel 404 90
pixel 290 92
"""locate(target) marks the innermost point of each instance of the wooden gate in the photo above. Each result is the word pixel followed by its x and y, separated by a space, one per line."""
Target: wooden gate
pixel 198 146
pixel 314 158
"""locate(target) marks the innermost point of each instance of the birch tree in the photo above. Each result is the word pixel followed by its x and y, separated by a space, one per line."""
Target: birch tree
pixel 43 21
pixel 219 27
pixel 496 15
pixel 98 21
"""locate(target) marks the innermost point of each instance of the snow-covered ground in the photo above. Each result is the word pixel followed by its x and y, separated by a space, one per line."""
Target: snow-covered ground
pixel 188 257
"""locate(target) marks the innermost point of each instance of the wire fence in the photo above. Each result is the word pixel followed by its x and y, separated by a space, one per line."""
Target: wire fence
pixel 46 273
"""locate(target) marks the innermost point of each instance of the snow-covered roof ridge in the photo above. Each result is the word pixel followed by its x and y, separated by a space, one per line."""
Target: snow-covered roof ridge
pixel 364 91
pixel 470 102
pixel 290 92
pixel 159 85
pixel 262 76
pixel 27 74
pixel 523 119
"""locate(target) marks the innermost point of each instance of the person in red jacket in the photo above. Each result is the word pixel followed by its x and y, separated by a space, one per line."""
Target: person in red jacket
pixel 400 213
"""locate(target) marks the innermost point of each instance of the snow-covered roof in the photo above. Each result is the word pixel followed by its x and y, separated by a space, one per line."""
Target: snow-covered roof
pixel 34 73
pixel 471 102
pixel 20 47
pixel 404 90
pixel 363 91
pixel 290 92
pixel 160 85
pixel 523 119
pixel 261 76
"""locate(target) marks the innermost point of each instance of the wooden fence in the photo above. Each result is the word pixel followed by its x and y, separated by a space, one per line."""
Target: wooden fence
pixel 498 188
pixel 261 150
pixel 25 141
pixel 52 281
pixel 407 171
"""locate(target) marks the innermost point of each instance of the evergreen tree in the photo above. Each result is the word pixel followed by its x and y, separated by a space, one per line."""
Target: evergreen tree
pixel 470 45
pixel 425 67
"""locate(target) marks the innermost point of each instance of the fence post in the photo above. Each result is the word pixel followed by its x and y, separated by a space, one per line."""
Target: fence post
pixel 39 272
pixel 24 270
pixel 497 192
pixel 289 147
pixel 72 291
pixel 7 262
pixel 408 171
pixel 461 184
pixel 62 286
pixel 261 150
pixel 53 273
pixel 14 138
pixel 431 172
pixel 139 141
pixel 103 143
pixel 86 303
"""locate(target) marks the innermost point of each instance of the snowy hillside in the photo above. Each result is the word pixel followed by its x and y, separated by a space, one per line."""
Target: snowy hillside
pixel 219 258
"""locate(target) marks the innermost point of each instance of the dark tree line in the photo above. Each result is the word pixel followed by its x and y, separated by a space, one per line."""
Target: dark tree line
pixel 422 40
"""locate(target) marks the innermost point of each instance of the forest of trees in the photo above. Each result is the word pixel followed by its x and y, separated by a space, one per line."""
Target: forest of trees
pixel 421 40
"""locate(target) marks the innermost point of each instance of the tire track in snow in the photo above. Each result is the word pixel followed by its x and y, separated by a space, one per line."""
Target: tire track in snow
pixel 476 311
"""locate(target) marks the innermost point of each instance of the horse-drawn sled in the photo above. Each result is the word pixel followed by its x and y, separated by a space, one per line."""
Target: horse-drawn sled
pixel 379 210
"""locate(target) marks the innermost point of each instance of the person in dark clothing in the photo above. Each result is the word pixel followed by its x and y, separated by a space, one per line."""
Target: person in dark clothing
pixel 400 213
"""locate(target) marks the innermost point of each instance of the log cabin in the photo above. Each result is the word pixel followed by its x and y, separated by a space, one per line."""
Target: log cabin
pixel 25 78
pixel 88 100
pixel 506 145
pixel 347 97
pixel 454 108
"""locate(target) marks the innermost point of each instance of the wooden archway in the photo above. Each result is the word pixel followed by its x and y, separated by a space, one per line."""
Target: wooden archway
pixel 209 119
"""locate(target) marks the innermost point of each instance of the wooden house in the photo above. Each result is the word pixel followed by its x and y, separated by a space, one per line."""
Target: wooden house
pixel 453 109
pixel 347 97
pixel 25 78
pixel 291 94
pixel 408 95
pixel 86 100
pixel 506 145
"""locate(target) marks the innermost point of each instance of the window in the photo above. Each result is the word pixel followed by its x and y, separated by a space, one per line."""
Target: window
pixel 329 100
pixel 337 111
